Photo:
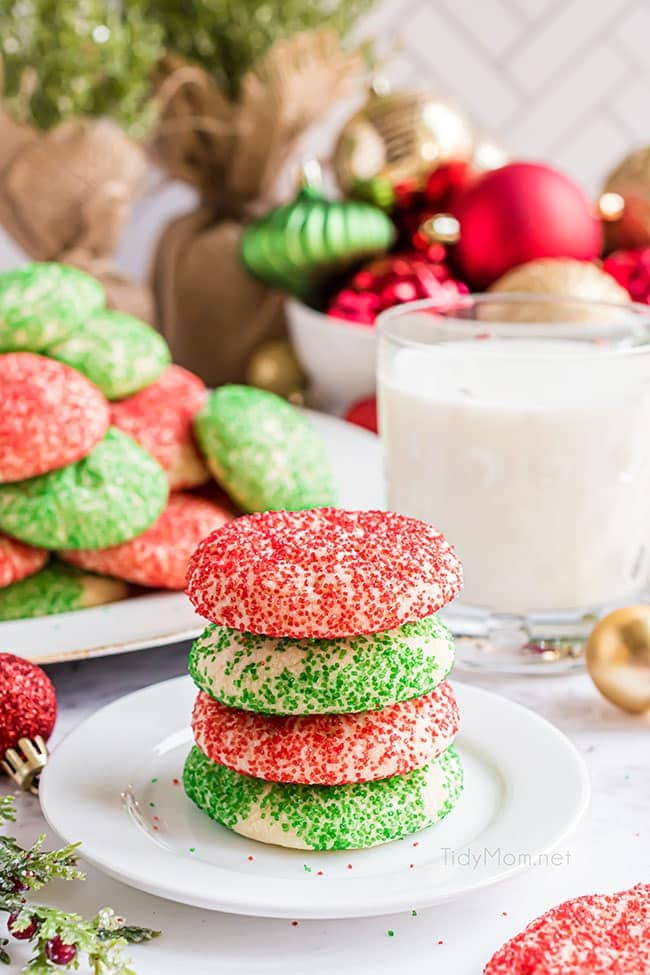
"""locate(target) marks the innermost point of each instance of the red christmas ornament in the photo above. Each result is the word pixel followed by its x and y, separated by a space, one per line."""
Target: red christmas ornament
pixel 391 281
pixel 27 701
pixel 414 205
pixel 364 414
pixel 518 213
pixel 631 269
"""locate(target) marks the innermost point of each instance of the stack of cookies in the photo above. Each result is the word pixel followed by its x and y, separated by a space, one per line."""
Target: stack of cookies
pixel 96 428
pixel 323 719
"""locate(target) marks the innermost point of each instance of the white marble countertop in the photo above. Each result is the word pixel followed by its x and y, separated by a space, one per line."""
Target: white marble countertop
pixel 609 851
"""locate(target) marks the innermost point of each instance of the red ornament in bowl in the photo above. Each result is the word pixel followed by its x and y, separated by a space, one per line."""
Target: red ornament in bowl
pixel 518 213
pixel 631 268
pixel 394 280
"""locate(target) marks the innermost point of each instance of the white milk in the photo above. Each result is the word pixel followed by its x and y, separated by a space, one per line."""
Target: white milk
pixel 533 458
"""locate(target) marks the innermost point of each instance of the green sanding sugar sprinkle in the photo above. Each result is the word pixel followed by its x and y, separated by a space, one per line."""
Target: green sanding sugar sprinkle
pixel 58 588
pixel 326 817
pixel 117 352
pixel 264 451
pixel 44 303
pixel 390 933
pixel 350 674
pixel 112 495
pixel 55 589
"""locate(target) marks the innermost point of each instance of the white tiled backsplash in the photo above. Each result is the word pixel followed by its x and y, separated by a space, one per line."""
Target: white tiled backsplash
pixel 566 81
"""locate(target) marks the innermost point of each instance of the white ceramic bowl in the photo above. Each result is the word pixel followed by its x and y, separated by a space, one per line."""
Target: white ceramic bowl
pixel 339 357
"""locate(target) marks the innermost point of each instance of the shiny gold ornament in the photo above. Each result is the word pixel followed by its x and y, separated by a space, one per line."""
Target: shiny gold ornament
pixel 274 367
pixel 400 136
pixel 25 763
pixel 625 202
pixel 618 658
pixel 558 276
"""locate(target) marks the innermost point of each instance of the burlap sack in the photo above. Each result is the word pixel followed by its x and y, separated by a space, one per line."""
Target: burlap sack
pixel 65 195
pixel 211 311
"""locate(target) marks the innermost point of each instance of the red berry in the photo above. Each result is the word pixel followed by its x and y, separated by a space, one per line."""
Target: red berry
pixel 26 934
pixel 60 953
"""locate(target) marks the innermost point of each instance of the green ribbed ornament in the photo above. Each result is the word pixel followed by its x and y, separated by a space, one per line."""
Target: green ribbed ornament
pixel 299 246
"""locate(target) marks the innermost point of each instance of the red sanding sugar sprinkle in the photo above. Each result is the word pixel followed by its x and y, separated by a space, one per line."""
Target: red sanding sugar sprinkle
pixel 601 934
pixel 327 749
pixel 323 572
pixel 18 560
pixel 160 555
pixel 160 416
pixel 51 415
pixel 27 701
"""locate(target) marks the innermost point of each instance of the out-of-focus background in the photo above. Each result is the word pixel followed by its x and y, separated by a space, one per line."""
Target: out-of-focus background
pixel 566 81
pixel 562 80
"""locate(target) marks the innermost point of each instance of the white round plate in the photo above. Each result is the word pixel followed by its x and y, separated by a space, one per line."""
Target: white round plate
pixel 159 618
pixel 114 785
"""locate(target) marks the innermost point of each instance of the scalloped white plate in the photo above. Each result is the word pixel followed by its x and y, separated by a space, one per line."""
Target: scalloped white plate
pixel 114 784
pixel 155 619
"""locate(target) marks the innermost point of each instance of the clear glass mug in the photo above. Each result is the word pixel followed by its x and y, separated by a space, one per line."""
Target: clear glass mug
pixel 520 426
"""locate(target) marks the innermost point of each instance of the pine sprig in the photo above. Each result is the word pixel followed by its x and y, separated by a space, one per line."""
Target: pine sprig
pixel 7 809
pixel 22 869
pixel 101 940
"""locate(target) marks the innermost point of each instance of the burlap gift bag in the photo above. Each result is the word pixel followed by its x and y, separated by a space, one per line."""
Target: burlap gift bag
pixel 65 195
pixel 211 311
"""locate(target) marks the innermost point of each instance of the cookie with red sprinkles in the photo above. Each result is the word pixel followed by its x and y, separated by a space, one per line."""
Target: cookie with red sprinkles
pixel 160 419
pixel 17 560
pixel 329 749
pixel 51 416
pixel 322 573
pixel 600 934
pixel 159 557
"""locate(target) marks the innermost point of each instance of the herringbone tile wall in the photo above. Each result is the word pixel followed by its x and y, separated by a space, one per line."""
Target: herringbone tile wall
pixel 566 81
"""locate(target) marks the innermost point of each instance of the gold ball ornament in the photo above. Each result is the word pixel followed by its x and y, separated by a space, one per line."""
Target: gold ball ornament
pixel 625 202
pixel 274 367
pixel 564 277
pixel 399 136
pixel 618 658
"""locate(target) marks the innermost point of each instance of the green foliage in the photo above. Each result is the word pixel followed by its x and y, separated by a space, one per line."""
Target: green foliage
pixel 227 36
pixel 7 809
pixel 63 58
pixel 102 939
pixel 22 869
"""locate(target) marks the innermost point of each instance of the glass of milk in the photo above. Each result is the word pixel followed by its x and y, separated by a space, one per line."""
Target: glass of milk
pixel 520 426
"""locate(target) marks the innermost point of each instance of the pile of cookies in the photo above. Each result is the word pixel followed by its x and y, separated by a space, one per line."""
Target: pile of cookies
pixel 97 427
pixel 323 719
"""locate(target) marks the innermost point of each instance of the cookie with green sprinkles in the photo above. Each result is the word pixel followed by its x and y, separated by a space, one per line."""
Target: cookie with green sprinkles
pixel 42 303
pixel 316 817
pixel 263 451
pixel 115 493
pixel 118 353
pixel 336 676
pixel 58 589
